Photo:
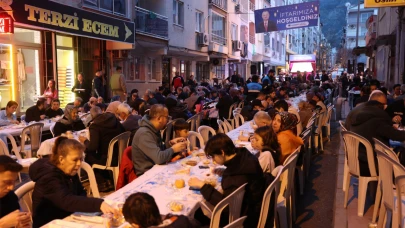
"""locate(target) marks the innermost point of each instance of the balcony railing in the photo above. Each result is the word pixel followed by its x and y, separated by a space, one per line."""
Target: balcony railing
pixel 251 6
pixel 220 4
pixel 151 23
pixel 218 39
pixel 252 39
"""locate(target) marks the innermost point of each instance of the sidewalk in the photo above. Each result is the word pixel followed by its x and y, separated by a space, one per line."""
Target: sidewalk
pixel 348 218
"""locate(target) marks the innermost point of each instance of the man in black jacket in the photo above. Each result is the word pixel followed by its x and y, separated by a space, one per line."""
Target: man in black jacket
pixel 224 103
pixel 37 112
pixel 396 111
pixel 54 110
pixel 371 121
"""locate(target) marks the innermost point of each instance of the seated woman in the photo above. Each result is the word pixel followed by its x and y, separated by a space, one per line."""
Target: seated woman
pixel 140 210
pixel 69 122
pixel 284 124
pixel 265 141
pixel 242 167
pixel 90 104
pixel 58 191
pixel 7 116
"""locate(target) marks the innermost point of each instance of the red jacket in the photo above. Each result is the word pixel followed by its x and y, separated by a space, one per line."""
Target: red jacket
pixel 127 171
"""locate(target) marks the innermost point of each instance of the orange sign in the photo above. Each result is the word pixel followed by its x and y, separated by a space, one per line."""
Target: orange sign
pixel 383 3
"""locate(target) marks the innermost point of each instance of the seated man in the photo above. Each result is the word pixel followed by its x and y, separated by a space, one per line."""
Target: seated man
pixel 260 119
pixel 7 115
pixel 147 144
pixel 37 112
pixel 129 121
pixel 10 214
pixel 257 106
pixel 54 110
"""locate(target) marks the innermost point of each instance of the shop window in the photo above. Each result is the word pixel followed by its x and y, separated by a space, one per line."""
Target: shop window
pixel 28 76
pixel 27 35
pixel 118 7
pixel 65 68
pixel 220 72
pixel 202 71
pixel 6 74
pixel 137 63
pixel 152 69
pixel 183 68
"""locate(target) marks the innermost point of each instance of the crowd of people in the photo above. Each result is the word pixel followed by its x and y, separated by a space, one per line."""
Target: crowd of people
pixel 265 101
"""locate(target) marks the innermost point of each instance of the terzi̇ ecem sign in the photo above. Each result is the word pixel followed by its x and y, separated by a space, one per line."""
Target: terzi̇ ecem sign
pixel 58 17
pixel 383 3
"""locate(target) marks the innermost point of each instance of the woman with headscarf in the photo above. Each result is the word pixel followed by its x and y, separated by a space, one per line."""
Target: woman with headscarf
pixel 284 124
pixel 69 122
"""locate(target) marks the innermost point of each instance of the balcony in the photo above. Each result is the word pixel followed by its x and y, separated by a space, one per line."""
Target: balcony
pixel 252 6
pixel 151 24
pixel 222 4
pixel 252 39
pixel 218 39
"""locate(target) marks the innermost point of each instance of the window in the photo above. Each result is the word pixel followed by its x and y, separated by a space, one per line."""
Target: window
pixel 282 48
pixel 202 71
pixel 199 21
pixel 220 72
pixel 218 29
pixel 364 17
pixel 178 12
pixel 273 44
pixel 152 69
pixel 278 46
pixel 116 7
pixel 234 31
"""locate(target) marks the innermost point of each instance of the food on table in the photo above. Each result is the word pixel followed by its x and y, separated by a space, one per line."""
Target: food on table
pixel 201 154
pixel 206 162
pixel 179 183
pixel 191 163
pixel 211 181
pixel 183 171
pixel 196 148
pixel 175 206
pixel 116 222
pixel 107 220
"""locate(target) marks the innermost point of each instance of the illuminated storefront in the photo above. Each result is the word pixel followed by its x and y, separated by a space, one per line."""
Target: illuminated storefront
pixel 53 41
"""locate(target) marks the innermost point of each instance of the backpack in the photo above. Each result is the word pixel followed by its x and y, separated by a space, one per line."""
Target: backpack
pixel 177 82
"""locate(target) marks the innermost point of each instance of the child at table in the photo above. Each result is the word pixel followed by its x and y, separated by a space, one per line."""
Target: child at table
pixel 265 141
pixel 180 128
pixel 140 210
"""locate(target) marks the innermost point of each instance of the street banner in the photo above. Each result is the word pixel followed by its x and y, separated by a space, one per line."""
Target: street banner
pixel 383 3
pixel 287 17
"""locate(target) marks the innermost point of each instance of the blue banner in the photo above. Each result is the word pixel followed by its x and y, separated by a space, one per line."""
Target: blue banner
pixel 287 17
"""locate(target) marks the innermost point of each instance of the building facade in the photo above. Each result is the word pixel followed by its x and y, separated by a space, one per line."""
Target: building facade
pixel 57 40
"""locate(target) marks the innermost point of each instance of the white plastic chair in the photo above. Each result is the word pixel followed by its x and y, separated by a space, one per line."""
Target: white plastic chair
pixel 228 125
pixel 241 104
pixel 233 106
pixel 193 122
pixel 238 120
pixel 234 201
pixel 327 121
pixel 381 147
pixel 238 223
pixel 51 130
pixel 285 201
pixel 92 179
pixel 32 132
pixel 389 212
pixel 205 132
pixel 273 187
pixel 399 185
pixel 222 127
pixel 352 142
pixel 122 141
pixel 24 194
pixel 193 137
pixel 306 159
pixel 346 167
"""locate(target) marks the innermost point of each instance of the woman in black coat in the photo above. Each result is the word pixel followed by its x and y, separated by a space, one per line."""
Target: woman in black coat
pixel 69 122
pixel 241 167
pixel 58 191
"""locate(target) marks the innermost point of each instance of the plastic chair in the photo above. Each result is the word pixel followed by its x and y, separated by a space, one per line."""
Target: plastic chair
pixel 234 201
pixel 92 179
pixel 193 122
pixel 228 125
pixel 273 187
pixel 399 185
pixel 222 127
pixel 306 156
pixel 32 132
pixel 51 130
pixel 205 132
pixel 238 223
pixel 381 147
pixel 285 201
pixel 238 120
pixel 342 125
pixel 241 104
pixel 122 141
pixel 327 121
pixel 24 194
pixel 318 138
pixel 200 116
pixel 352 142
pixel 389 212
pixel 233 106
pixel 193 137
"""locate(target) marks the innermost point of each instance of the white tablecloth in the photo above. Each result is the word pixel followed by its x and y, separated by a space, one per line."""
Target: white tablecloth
pixel 46 146
pixel 159 181
pixel 16 130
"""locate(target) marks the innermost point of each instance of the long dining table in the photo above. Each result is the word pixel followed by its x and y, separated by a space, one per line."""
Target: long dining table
pixel 159 182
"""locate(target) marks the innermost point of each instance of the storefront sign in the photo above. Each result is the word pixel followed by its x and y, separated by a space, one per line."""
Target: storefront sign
pixel 54 16
pixel 287 17
pixel 6 24
pixel 383 3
